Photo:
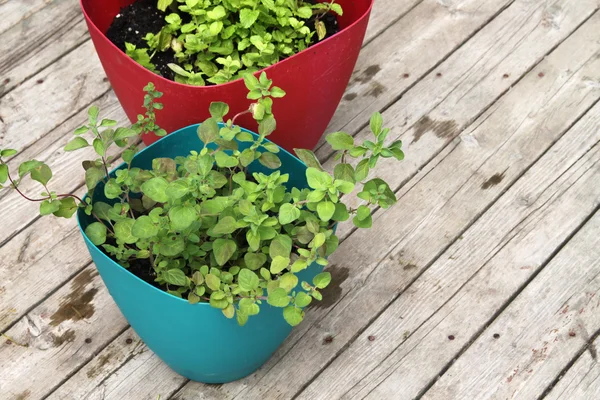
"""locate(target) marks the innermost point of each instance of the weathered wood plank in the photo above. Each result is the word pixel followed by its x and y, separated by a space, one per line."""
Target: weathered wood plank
pixel 541 330
pixel 69 85
pixel 439 206
pixel 474 278
pixel 582 380
pixel 16 11
pixel 386 13
pixel 32 45
pixel 436 109
pixel 406 51
pixel 55 333
pixel 96 379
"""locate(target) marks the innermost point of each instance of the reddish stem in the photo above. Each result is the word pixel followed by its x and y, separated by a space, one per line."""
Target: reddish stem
pixel 236 116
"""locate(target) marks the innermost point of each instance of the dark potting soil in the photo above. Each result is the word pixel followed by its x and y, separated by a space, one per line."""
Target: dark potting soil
pixel 133 23
pixel 141 17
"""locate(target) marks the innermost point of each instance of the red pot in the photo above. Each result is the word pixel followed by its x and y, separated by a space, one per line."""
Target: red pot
pixel 314 79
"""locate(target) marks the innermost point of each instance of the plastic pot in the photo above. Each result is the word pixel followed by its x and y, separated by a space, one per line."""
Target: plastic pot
pixel 314 79
pixel 196 341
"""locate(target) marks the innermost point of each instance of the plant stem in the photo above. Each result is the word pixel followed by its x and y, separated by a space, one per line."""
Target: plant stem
pixel 239 115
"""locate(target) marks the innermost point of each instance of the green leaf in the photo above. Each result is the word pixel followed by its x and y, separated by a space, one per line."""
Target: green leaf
pixel 76 143
pixel 123 231
pixel 67 208
pixel 362 170
pixel 92 177
pixel 344 172
pixel 96 232
pixel 322 280
pixel 171 246
pixel 248 17
pixel 319 240
pixel 293 315
pixel 318 179
pixel 247 280
pixel 325 209
pixel 364 223
pixel 124 133
pixel 341 213
pixel 8 152
pixel 213 282
pixel 336 8
pixel 177 189
pixel 216 13
pixel 182 217
pixel 101 210
pixel 277 92
pixel 99 147
pixel 270 160
pixel 112 189
pixel 308 158
pixel 175 276
pixel 267 126
pixel 288 281
pixel 304 12
pixel 255 260
pixel 224 160
pixel 278 264
pixel 288 213
pixel 3 173
pixel 81 130
pixel 223 250
pixel 218 110
pixel 225 226
pixel 48 207
pixel 208 131
pixel 302 299
pixel 253 240
pixel 156 189
pixel 278 298
pixel 281 245
pixel 321 31
pixel 363 212
pixel 163 4
pixel 229 311
pixel 144 227
pixel 27 166
pixel 41 173
pixel 376 123
pixel 93 115
pixel 340 141
pixel 331 244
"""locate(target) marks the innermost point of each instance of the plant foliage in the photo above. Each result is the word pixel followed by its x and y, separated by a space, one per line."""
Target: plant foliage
pixel 218 41
pixel 212 231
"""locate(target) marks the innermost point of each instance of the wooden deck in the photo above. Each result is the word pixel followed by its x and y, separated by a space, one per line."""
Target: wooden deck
pixel 483 282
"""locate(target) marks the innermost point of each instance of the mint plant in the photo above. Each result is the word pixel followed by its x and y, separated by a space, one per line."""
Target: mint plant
pixel 217 41
pixel 211 230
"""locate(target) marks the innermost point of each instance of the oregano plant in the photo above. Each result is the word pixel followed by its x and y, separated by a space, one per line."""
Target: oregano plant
pixel 217 41
pixel 210 230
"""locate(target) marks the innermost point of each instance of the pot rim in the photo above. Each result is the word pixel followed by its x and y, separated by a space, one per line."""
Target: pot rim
pixel 173 134
pixel 160 78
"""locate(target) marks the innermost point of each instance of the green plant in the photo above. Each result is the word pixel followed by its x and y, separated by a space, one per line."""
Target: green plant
pixel 211 231
pixel 218 41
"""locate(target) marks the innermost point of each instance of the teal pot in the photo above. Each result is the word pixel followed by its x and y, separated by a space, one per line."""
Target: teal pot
pixel 196 341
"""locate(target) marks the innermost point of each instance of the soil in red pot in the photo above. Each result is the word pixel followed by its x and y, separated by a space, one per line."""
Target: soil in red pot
pixel 141 17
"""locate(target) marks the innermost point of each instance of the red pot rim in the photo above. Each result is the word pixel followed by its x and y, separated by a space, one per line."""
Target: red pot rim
pixel 266 69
